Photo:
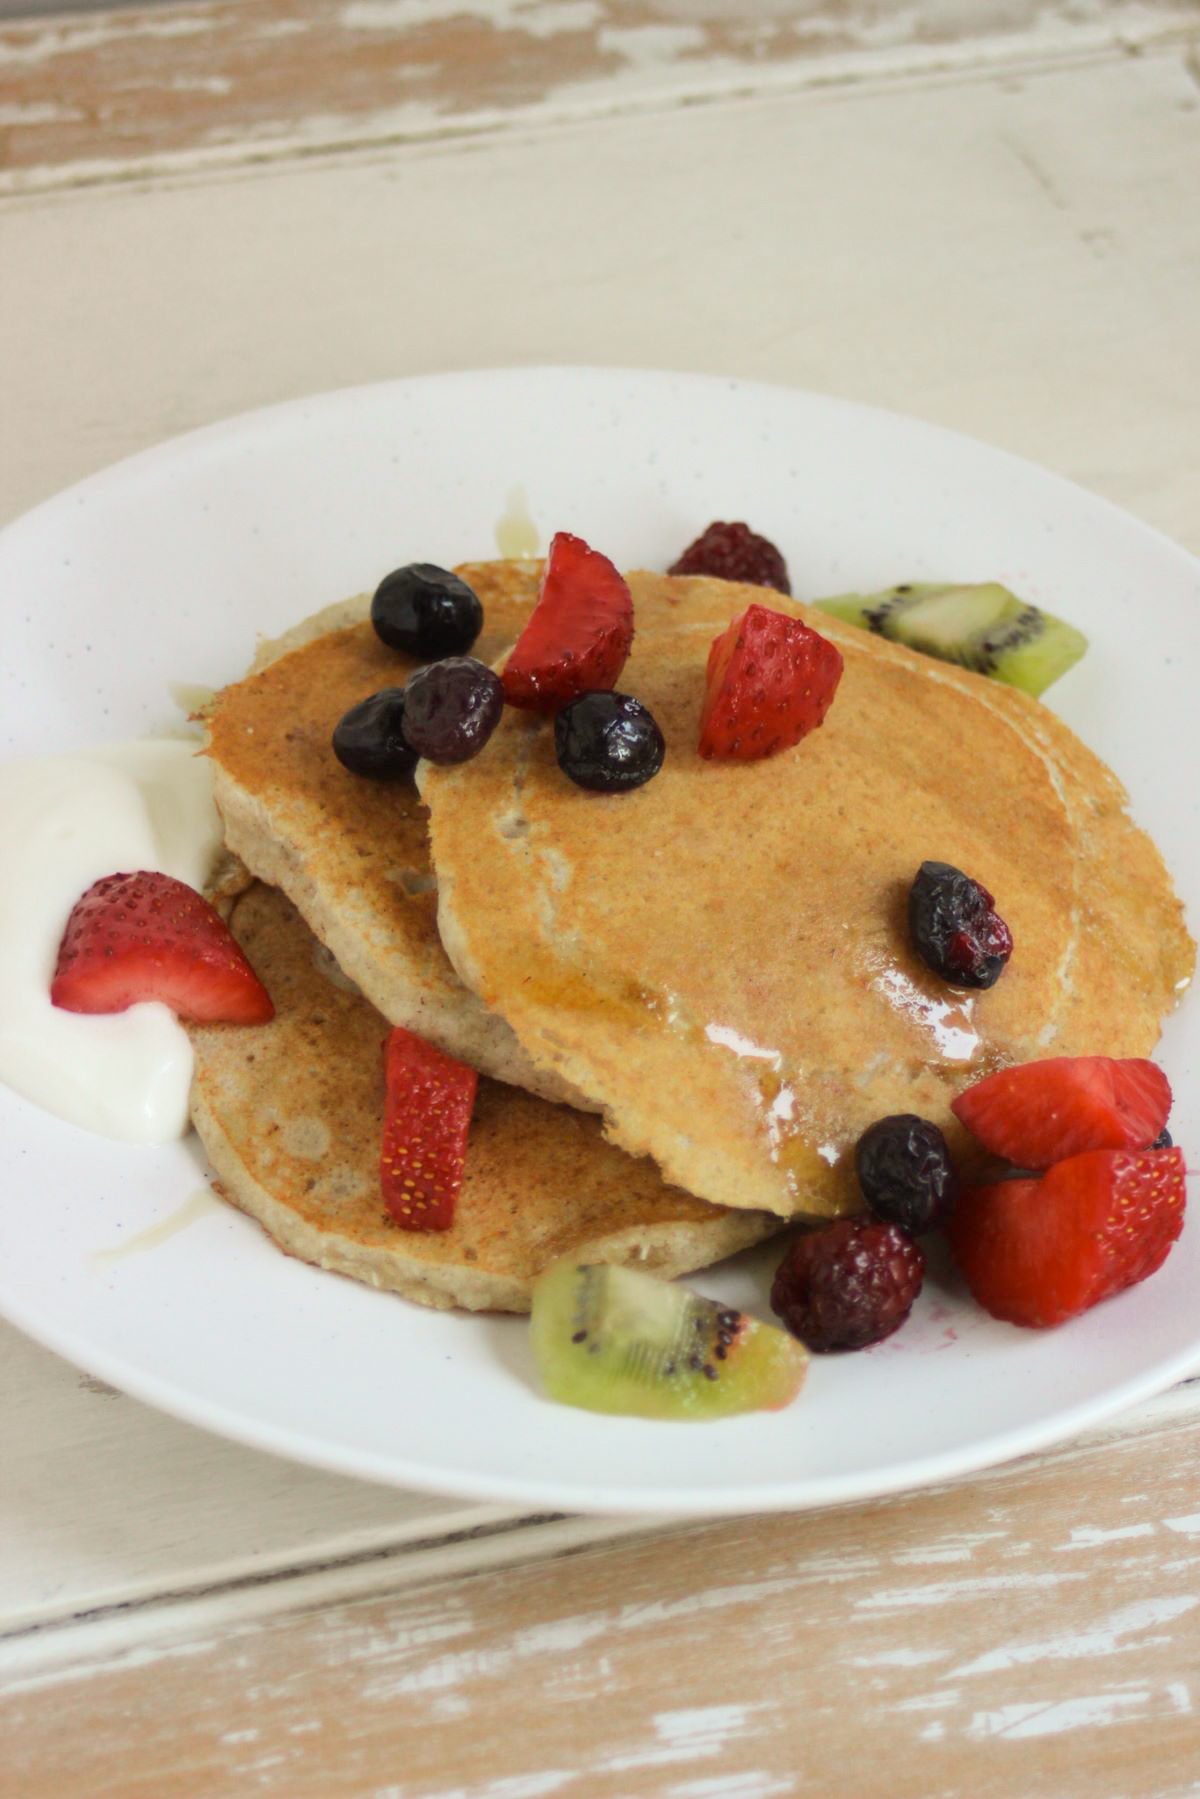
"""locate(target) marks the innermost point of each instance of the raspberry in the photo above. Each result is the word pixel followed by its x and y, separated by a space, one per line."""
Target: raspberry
pixel 734 553
pixel 848 1285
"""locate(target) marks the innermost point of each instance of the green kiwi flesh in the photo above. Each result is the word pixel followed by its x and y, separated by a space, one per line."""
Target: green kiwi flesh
pixel 982 626
pixel 617 1340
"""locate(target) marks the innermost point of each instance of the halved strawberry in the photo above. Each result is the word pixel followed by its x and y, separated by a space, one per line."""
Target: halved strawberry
pixel 1041 1112
pixel 427 1115
pixel 142 936
pixel 771 680
pixel 1037 1252
pixel 579 634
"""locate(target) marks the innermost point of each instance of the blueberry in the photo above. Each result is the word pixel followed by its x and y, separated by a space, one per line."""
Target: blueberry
pixel 1164 1140
pixel 955 927
pixel 370 738
pixel 451 708
pixel 426 612
pixel 905 1172
pixel 608 742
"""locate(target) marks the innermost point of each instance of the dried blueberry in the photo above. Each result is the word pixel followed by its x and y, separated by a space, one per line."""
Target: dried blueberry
pixel 905 1172
pixel 848 1284
pixel 451 708
pixel 955 927
pixel 608 742
pixel 370 738
pixel 426 612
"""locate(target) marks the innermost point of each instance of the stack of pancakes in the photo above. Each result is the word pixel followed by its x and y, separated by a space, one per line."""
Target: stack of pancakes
pixel 688 1001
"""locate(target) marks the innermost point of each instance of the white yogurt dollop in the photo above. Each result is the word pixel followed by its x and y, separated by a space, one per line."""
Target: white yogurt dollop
pixel 66 822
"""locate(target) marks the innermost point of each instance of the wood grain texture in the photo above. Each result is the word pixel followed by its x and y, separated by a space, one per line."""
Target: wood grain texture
pixel 121 90
pixel 1034 1632
pixel 208 1513
pixel 1015 257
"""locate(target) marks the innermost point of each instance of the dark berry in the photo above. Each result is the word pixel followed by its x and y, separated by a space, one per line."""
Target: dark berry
pixel 735 553
pixel 955 927
pixel 451 708
pixel 1164 1140
pixel 905 1172
pixel 608 742
pixel 370 739
pixel 426 611
pixel 849 1284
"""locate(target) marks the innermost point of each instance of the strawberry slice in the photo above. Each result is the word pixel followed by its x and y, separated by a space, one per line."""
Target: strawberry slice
pixel 142 936
pixel 1037 1252
pixel 579 634
pixel 770 680
pixel 1041 1112
pixel 427 1114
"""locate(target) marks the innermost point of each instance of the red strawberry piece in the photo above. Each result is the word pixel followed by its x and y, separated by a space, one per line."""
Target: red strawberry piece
pixel 1037 1252
pixel 427 1114
pixel 734 553
pixel 1041 1112
pixel 771 680
pixel 142 936
pixel 579 634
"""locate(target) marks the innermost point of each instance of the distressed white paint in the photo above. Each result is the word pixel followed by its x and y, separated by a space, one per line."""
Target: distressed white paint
pixel 899 1658
pixel 661 60
pixel 1083 1536
pixel 537 18
pixel 41 114
pixel 76 39
pixel 689 1735
pixel 1108 1637
pixel 939 1593
pixel 1035 1718
pixel 753 1783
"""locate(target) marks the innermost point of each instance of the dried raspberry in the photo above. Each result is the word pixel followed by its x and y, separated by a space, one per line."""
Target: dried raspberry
pixel 848 1285
pixel 734 553
pixel 955 927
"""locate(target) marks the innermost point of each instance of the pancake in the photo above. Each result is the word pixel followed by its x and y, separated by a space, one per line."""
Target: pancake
pixel 352 854
pixel 720 958
pixel 291 1116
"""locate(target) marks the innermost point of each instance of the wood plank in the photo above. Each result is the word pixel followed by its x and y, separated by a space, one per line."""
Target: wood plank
pixel 1033 1632
pixel 1018 258
pixel 135 88
pixel 206 1513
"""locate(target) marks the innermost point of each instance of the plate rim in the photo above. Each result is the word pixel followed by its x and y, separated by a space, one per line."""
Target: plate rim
pixel 898 1478
pixel 197 435
pixel 811 1493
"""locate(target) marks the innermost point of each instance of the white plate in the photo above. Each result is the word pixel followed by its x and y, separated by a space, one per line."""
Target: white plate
pixel 161 571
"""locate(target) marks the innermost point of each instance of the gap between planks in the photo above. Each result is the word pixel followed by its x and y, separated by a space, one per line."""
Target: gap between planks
pixel 56 1646
pixel 1033 1632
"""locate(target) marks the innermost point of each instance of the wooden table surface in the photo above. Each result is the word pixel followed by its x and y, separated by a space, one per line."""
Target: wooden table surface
pixel 984 212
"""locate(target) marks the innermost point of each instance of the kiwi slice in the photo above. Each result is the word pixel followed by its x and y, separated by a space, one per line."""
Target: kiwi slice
pixel 616 1340
pixel 981 626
